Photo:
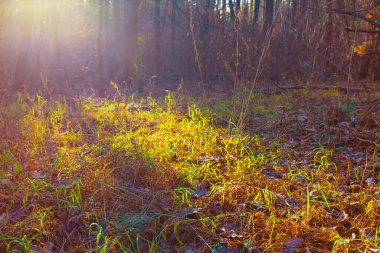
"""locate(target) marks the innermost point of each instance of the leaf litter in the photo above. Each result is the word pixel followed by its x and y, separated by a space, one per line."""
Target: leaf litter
pixel 302 179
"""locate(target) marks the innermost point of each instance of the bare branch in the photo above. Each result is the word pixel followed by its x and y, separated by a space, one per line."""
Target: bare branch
pixel 361 30
pixel 358 15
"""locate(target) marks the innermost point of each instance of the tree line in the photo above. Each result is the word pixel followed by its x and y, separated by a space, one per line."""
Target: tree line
pixel 91 42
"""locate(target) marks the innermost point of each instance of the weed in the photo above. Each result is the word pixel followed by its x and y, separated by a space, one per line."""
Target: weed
pixel 168 174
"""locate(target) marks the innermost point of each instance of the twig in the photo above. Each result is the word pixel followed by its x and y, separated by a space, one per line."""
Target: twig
pixel 366 141
pixel 361 30
pixel 320 87
pixel 374 105
pixel 357 15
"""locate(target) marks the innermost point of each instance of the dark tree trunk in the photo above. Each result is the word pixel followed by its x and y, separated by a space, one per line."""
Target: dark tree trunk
pixel 269 6
pixel 238 4
pixel 206 21
pixel 232 11
pixel 294 11
pixel 305 4
pixel 256 11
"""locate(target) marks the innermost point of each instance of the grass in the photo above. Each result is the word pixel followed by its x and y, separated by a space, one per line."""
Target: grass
pixel 177 174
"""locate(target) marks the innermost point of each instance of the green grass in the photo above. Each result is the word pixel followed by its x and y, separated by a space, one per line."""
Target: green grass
pixel 167 175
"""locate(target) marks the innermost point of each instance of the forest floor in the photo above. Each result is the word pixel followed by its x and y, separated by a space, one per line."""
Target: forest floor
pixel 296 171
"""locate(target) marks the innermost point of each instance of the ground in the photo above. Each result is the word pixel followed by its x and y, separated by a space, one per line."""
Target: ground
pixel 296 171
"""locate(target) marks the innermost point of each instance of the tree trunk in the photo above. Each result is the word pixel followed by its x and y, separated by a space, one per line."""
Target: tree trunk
pixel 238 4
pixel 224 9
pixel 206 16
pixel 256 11
pixel 132 21
pixel 173 33
pixel 157 34
pixel 101 84
pixel 328 36
pixel 268 15
pixel 232 11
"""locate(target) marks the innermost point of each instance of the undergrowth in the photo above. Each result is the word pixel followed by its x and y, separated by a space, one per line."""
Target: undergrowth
pixel 176 175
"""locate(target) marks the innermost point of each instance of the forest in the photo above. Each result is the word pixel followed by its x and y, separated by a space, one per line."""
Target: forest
pixel 221 126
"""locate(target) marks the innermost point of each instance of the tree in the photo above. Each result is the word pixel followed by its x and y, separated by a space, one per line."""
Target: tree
pixel 173 31
pixel 328 35
pixel 131 13
pixel 256 11
pixel 157 34
pixel 268 17
pixel 101 84
pixel 224 9
pixel 238 4
pixel 232 11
